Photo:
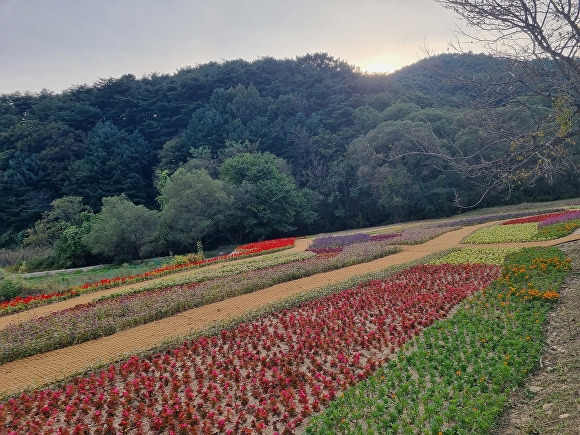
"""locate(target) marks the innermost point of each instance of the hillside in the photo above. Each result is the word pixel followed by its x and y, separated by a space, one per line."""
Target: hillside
pixel 325 122
pixel 306 351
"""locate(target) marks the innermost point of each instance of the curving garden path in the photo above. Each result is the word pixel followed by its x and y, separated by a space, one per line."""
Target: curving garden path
pixel 51 366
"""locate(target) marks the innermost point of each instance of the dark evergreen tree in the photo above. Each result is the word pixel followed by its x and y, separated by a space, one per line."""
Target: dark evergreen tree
pixel 115 163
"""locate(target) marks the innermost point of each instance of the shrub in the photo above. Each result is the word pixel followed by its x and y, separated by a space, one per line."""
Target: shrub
pixel 192 258
pixel 9 288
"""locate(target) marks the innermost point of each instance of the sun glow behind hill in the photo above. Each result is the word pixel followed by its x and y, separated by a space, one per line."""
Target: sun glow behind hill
pixel 378 68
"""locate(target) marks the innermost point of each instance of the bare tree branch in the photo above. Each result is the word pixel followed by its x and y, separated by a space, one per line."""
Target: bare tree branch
pixel 541 39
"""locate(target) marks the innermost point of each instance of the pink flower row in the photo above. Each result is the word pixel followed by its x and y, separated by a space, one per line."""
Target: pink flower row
pixel 267 375
pixel 560 216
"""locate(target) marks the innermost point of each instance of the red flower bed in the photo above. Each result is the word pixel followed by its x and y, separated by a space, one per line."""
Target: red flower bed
pixel 267 245
pixel 537 218
pixel 267 375
pixel 19 300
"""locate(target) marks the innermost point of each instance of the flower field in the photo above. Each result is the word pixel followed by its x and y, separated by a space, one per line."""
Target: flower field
pixel 257 248
pixel 18 303
pixel 539 227
pixel 407 236
pixel 265 375
pixel 546 219
pixel 100 318
pixel 326 244
pixel 475 255
pixel 380 356
pixel 241 251
pixel 522 232
pixel 266 245
pixel 457 375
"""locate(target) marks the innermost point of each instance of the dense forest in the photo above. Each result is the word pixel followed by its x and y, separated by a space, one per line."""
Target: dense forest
pixel 234 151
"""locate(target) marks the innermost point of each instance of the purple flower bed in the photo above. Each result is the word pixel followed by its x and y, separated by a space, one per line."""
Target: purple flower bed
pixel 336 243
pixel 571 215
pixel 327 244
pixel 367 250
pixel 417 235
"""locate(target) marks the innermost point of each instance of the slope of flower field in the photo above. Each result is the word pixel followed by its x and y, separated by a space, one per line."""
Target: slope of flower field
pixel 300 369
pixel 456 377
pixel 20 303
pixel 540 227
pixel 105 317
pixel 271 372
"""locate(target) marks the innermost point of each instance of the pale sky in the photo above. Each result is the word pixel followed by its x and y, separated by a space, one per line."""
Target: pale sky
pixel 55 44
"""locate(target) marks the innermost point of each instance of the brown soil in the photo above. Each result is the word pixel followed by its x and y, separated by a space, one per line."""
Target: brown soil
pixel 45 368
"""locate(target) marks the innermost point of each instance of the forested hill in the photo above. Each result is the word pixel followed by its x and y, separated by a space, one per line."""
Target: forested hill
pixel 327 124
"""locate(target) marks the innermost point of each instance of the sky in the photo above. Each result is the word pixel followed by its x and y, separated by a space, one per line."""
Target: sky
pixel 58 44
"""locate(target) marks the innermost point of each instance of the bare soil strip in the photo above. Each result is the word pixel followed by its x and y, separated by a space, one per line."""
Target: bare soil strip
pixel 41 369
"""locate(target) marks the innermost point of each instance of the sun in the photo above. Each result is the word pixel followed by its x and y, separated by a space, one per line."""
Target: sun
pixel 378 68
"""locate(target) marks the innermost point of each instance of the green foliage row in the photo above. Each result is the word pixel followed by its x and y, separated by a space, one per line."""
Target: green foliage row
pixel 456 377
pixel 503 234
pixel 526 232
pixel 558 230
pixel 475 255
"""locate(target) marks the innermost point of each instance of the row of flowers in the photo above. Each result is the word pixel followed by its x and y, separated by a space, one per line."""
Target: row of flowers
pixel 324 244
pixel 268 375
pixel 240 251
pixel 251 249
pixel 503 234
pixel 109 315
pixel 481 219
pixel 20 302
pixel 476 255
pixel 457 376
pixel 419 234
pixel 547 218
pixel 407 236
pixel 540 227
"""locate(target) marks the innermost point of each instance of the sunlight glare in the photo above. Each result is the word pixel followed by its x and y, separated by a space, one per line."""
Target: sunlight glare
pixel 379 68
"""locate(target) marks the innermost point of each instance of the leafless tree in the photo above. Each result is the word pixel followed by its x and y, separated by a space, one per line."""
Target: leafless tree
pixel 540 40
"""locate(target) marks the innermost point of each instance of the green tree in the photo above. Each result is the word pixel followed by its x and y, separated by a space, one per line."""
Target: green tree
pixel 123 231
pixel 49 229
pixel 268 202
pixel 193 206
pixel 22 193
pixel 116 163
pixel 70 250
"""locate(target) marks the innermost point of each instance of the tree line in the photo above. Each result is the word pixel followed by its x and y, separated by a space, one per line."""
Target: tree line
pixel 238 151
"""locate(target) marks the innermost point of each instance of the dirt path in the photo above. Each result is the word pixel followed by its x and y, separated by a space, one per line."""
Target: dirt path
pixel 44 368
